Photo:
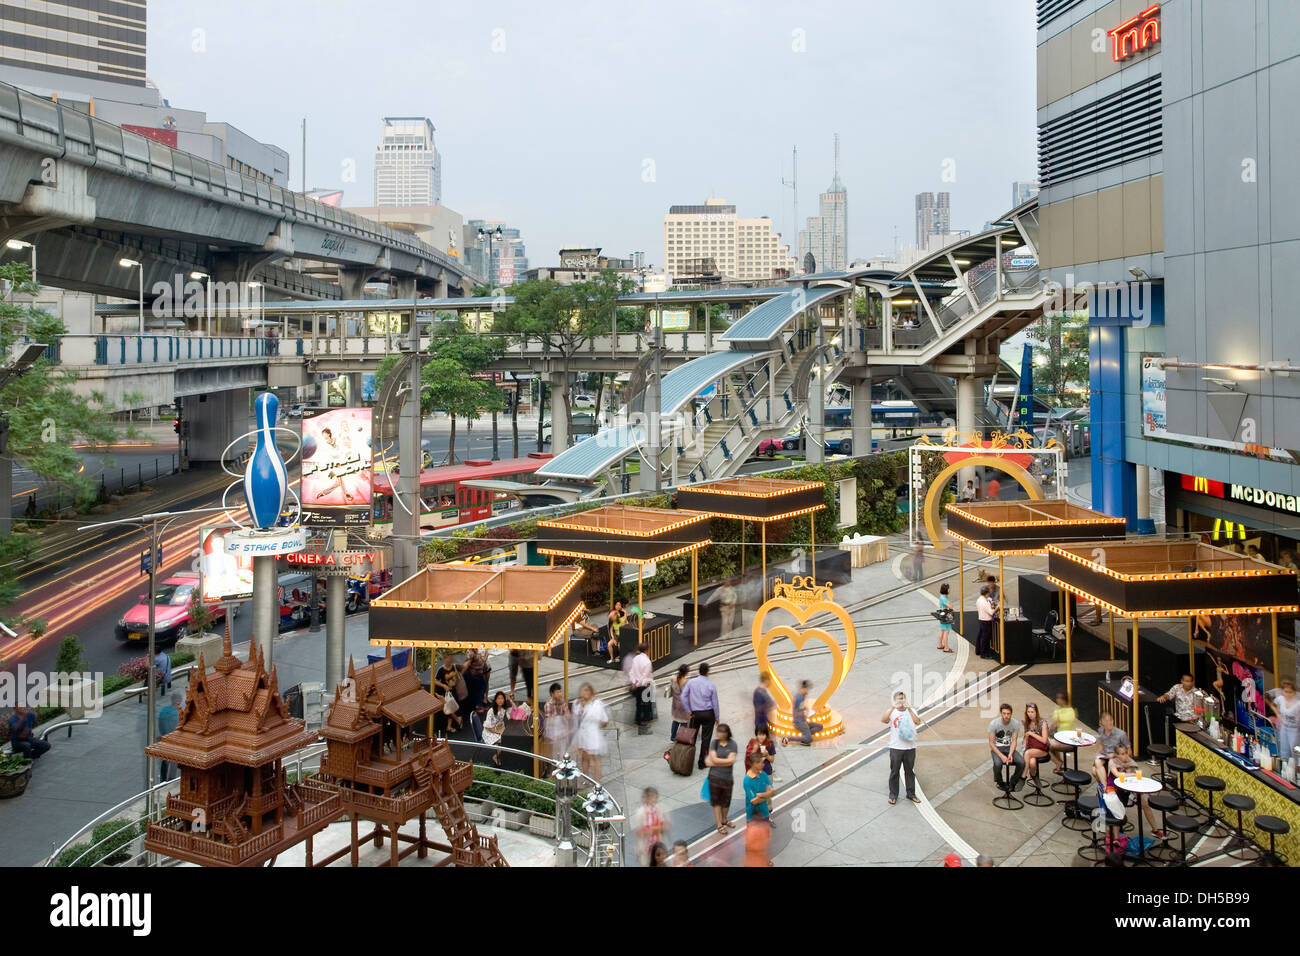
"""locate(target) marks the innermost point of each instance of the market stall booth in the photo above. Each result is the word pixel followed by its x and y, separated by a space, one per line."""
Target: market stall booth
pixel 1001 528
pixel 1146 579
pixel 509 607
pixel 630 535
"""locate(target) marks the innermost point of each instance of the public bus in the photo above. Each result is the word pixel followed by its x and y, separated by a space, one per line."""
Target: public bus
pixel 445 497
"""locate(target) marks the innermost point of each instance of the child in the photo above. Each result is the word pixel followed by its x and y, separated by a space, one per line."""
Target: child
pixel 763 743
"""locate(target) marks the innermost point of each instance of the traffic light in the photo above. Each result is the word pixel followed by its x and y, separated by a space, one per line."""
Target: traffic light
pixel 176 425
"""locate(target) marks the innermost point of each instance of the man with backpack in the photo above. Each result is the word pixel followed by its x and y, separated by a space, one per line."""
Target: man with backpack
pixel 903 722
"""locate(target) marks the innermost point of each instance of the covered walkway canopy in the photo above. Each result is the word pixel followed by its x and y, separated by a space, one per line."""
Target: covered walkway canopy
pixel 765 322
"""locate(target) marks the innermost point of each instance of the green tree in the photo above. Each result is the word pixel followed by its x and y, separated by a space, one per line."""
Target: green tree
pixel 1060 350
pixel 565 318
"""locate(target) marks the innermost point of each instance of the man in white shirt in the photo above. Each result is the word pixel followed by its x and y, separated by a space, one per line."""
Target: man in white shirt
pixel 903 723
pixel 987 609
pixel 640 679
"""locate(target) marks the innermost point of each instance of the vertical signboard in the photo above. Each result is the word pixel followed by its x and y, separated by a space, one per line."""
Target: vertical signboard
pixel 226 577
pixel 1153 397
pixel 336 467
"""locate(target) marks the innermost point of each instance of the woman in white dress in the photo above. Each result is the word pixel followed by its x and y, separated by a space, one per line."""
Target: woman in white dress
pixel 591 717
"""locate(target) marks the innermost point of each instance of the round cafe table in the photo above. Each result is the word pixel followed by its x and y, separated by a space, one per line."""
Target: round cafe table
pixel 1142 788
pixel 1074 739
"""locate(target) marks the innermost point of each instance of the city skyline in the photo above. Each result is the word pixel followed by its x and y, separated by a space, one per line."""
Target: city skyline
pixel 487 115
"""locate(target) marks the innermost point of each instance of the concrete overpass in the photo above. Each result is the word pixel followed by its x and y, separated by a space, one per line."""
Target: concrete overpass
pixel 88 194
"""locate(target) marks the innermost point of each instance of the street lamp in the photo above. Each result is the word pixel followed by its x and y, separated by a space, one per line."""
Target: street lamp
pixel 566 788
pixel 18 245
pixel 597 807
pixel 207 297
pixel 489 238
pixel 136 264
pixel 260 313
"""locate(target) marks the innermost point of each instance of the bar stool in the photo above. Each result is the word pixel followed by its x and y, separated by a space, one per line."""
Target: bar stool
pixel 1273 826
pixel 1095 851
pixel 1036 797
pixel 1212 828
pixel 1242 846
pixel 1011 802
pixel 1072 819
pixel 1182 766
pixel 1159 754
pixel 1164 804
pixel 1183 825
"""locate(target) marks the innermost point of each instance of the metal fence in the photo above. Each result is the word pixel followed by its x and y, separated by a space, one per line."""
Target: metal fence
pixel 34 496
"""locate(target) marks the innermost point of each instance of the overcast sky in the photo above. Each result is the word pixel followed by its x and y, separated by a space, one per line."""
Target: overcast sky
pixel 581 123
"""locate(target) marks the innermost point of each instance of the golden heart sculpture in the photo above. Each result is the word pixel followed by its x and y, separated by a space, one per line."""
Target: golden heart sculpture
pixel 804 599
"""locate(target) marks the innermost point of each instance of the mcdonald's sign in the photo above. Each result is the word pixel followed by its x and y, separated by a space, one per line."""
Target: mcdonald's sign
pixel 1204 486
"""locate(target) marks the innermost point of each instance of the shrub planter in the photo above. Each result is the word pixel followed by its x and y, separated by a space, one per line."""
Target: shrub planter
pixel 542 825
pixel 75 695
pixel 15 775
pixel 479 811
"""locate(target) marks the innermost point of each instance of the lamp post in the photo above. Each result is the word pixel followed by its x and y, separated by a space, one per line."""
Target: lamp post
pixel 207 297
pixel 597 807
pixel 566 788
pixel 136 264
pixel 490 237
pixel 18 245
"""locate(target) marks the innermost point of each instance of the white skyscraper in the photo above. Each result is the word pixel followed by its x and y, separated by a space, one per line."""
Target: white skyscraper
pixel 408 166
pixel 826 235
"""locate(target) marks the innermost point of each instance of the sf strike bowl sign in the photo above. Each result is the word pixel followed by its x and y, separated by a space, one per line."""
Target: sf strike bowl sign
pixel 225 576
pixel 336 460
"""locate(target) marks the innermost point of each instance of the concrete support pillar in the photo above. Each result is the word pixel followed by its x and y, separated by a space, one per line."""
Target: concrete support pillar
pixel 559 412
pixel 402 288
pixel 860 409
pixel 966 388
pixel 352 282
pixel 266 605
pixel 215 419
pixel 1145 524
pixel 336 598
pixel 816 452
pixel 440 287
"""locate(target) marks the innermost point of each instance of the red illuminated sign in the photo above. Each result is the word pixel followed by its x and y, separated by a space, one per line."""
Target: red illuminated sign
pixel 1136 34
pixel 1204 486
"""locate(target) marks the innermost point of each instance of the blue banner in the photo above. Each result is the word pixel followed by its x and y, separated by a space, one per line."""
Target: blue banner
pixel 1025 391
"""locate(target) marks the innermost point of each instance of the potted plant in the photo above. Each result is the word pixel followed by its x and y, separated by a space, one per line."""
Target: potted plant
pixel 15 774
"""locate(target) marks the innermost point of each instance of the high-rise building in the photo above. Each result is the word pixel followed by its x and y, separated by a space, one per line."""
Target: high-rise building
pixel 737 248
pixel 826 235
pixel 933 217
pixel 500 262
pixel 408 166
pixel 90 39
pixel 1023 190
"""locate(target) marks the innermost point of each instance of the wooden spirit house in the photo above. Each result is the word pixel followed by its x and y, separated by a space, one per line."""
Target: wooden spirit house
pixel 235 806
pixel 388 773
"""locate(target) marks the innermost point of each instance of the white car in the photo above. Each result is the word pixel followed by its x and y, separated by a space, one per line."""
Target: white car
pixel 586 402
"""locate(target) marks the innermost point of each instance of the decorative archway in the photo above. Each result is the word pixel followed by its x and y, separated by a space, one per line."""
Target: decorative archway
pixel 998 462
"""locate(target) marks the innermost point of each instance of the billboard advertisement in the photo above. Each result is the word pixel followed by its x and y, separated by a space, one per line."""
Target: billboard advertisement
pixel 676 320
pixel 225 576
pixel 336 462
pixel 1153 397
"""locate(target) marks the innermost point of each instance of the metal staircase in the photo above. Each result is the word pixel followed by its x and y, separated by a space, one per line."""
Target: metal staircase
pixel 766 404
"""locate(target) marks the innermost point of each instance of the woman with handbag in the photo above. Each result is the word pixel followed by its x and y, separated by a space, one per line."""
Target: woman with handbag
pixel 946 615
pixel 494 722
pixel 681 716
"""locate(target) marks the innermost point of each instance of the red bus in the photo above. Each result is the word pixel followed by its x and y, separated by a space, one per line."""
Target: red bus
pixel 446 501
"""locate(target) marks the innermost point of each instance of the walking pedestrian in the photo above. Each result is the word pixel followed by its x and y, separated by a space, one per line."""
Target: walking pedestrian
pixel 556 723
pixel 679 712
pixel 764 703
pixel 700 697
pixel 649 824
pixel 590 718
pixel 903 724
pixel 720 761
pixel 169 715
pixel 918 563
pixel 985 608
pixel 946 614
pixel 727 599
pixel 163 667
pixel 758 811
pixel 640 679
pixel 521 661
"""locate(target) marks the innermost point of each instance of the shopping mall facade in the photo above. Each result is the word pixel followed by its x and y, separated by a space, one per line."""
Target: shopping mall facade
pixel 1169 154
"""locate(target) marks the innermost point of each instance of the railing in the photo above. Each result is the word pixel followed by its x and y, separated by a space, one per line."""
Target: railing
pixel 178 807
pixel 319 803
pixel 89 141
pixel 985 288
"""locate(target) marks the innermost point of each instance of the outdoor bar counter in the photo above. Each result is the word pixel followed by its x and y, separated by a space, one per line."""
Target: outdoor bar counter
pixel 1272 795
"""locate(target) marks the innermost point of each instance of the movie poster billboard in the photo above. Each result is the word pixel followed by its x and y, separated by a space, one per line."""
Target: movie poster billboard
pixel 336 465
pixel 226 577
pixel 1244 637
